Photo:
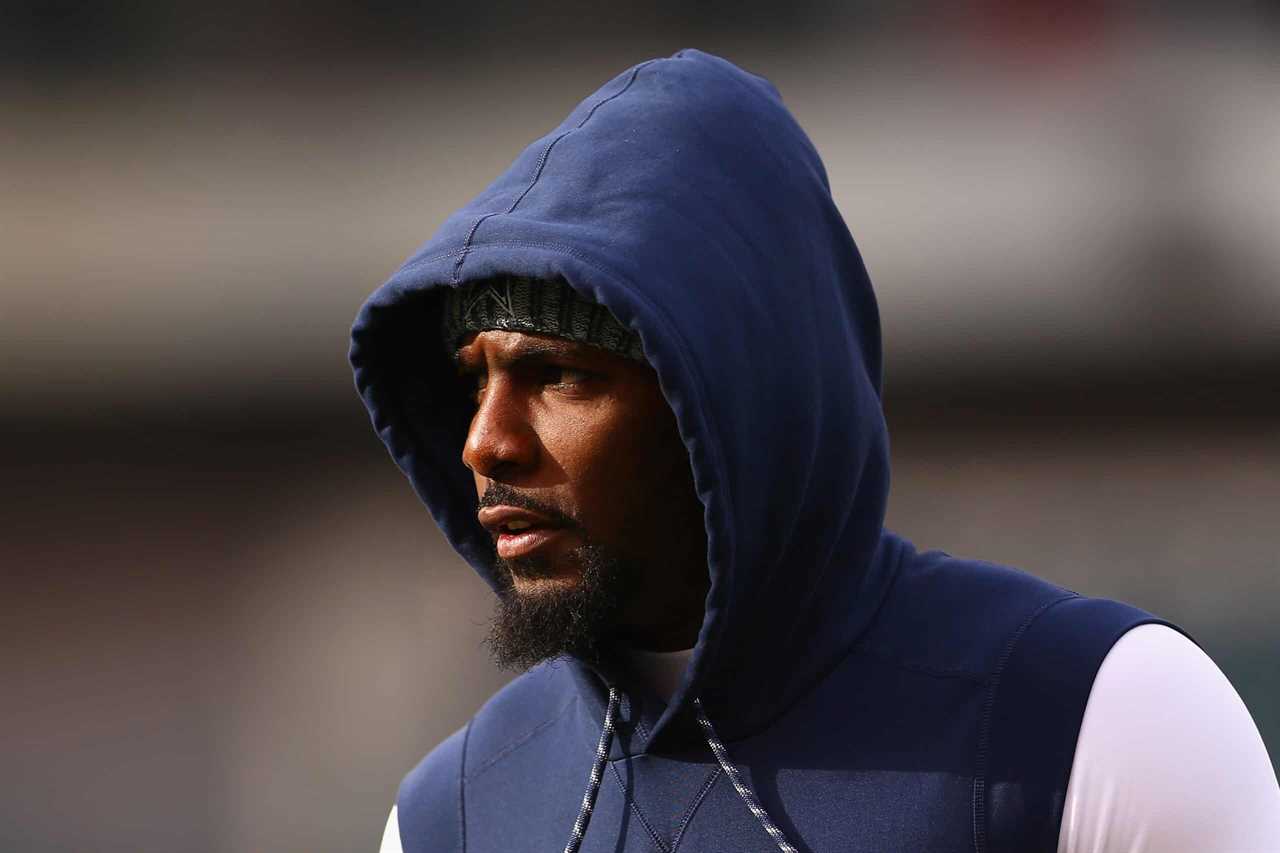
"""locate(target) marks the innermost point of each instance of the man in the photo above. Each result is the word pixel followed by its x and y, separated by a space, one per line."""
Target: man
pixel 637 383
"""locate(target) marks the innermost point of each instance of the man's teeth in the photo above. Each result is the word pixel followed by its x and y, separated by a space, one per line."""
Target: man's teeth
pixel 518 525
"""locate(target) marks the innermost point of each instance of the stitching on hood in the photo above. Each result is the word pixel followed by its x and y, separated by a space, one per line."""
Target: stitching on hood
pixel 542 162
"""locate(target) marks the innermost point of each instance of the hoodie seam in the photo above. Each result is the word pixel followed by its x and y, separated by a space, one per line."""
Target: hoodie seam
pixel 513 745
pixel 635 808
pixel 503 244
pixel 979 801
pixel 643 729
pixel 430 259
pixel 542 163
pixel 693 808
pixel 882 654
pixel 462 790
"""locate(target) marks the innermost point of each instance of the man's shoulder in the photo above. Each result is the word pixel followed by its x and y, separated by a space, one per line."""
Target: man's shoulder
pixel 429 802
pixel 518 712
pixel 1032 650
pixel 511 716
pixel 972 616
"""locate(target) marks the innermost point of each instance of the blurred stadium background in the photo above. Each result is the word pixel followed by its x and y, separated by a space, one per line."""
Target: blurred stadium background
pixel 229 626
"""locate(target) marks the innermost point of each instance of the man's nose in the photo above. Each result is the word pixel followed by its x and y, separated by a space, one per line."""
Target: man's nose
pixel 501 443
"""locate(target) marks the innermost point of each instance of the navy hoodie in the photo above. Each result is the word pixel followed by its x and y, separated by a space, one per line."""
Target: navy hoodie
pixel 875 698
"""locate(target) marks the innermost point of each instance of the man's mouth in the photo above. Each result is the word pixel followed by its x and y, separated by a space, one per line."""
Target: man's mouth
pixel 518 532
pixel 520 539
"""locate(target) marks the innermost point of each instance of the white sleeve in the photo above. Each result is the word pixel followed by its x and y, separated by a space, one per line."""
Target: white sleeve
pixel 1168 759
pixel 391 835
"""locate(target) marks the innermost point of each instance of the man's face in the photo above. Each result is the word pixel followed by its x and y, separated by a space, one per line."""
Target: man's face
pixel 586 487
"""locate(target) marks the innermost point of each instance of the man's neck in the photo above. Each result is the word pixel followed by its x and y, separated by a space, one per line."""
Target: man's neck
pixel 660 671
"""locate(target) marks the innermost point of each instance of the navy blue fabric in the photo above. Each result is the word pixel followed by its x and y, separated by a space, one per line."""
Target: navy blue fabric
pixel 874 696
pixel 430 804
pixel 1035 712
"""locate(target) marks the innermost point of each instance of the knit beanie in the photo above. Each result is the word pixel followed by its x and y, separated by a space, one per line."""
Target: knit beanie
pixel 540 306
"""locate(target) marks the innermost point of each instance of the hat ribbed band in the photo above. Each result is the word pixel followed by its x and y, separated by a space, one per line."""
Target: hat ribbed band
pixel 538 306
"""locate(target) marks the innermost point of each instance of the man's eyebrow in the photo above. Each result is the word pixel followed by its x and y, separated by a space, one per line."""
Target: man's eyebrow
pixel 541 348
pixel 531 351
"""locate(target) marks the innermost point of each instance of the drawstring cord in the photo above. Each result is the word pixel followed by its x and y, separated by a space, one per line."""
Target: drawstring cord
pixel 597 773
pixel 717 748
pixel 744 790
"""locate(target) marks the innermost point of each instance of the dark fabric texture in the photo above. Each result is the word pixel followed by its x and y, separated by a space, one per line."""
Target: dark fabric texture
pixel 874 697
pixel 437 781
pixel 520 304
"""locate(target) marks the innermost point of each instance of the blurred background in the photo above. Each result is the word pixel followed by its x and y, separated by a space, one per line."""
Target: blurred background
pixel 228 624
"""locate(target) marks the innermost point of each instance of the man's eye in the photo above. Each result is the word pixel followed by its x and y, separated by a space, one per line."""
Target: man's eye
pixel 555 374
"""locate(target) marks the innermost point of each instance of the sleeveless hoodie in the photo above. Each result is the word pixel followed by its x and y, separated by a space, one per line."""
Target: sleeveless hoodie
pixel 864 696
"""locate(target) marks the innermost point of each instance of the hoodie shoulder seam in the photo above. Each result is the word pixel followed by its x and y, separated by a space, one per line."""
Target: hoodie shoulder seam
pixel 514 744
pixel 979 800
pixel 462 790
pixel 885 655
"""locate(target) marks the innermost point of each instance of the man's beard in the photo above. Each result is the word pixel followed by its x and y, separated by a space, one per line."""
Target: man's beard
pixel 573 619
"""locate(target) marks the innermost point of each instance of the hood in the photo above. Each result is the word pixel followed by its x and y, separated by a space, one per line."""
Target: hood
pixel 684 197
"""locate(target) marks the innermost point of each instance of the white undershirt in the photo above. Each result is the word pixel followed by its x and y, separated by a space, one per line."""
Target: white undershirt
pixel 391 835
pixel 1168 759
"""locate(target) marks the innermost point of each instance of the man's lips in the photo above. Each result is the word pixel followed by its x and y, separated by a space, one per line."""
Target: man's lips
pixel 517 531
pixel 526 541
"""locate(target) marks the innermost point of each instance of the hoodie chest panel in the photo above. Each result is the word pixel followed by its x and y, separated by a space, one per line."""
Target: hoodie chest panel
pixel 854 769
pixel 536 812
pixel 825 812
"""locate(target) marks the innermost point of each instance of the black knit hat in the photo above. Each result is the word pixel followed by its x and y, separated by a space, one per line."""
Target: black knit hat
pixel 541 306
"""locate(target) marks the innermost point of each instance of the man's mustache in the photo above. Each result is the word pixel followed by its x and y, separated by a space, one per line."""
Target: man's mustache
pixel 500 494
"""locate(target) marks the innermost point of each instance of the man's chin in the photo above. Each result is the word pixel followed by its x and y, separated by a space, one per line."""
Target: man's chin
pixel 544 612
pixel 542 585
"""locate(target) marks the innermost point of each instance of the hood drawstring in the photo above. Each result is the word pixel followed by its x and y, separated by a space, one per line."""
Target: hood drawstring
pixel 717 748
pixel 743 789
pixel 597 772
